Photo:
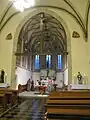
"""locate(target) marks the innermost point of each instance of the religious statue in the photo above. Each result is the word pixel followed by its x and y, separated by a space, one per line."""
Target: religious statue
pixel 32 85
pixel 2 76
pixel 79 77
pixel 28 85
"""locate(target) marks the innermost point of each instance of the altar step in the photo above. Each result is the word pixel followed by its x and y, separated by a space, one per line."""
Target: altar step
pixel 34 94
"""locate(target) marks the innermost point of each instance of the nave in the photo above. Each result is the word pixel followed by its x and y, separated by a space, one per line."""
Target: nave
pixel 43 41
pixel 62 105
pixel 30 109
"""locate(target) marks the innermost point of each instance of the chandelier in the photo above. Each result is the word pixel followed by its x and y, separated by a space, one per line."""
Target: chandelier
pixel 21 5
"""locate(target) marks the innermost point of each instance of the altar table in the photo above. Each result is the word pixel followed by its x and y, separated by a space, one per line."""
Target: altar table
pixel 4 85
pixel 79 86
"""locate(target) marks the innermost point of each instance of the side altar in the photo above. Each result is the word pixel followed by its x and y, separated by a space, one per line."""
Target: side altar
pixel 4 85
pixel 80 82
pixel 80 86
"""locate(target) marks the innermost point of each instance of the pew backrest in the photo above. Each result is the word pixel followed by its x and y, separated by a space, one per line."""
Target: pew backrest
pixel 68 102
pixel 70 95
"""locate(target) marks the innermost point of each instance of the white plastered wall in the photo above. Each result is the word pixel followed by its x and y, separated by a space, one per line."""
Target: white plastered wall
pixel 22 76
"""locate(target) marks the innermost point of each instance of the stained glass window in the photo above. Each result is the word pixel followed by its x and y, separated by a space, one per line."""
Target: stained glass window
pixel 48 61
pixel 59 62
pixel 37 62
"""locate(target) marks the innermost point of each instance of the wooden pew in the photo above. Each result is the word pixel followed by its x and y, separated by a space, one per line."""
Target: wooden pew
pixel 68 103
pixel 3 101
pixel 14 95
pixel 10 96
pixel 7 97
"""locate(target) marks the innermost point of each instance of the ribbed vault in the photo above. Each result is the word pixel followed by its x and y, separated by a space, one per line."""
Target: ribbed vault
pixel 42 34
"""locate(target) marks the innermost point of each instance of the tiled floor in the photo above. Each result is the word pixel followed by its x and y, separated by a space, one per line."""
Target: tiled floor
pixel 31 109
pixel 1 109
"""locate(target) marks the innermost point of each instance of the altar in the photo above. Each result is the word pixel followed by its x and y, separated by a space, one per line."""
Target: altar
pixel 80 86
pixel 4 85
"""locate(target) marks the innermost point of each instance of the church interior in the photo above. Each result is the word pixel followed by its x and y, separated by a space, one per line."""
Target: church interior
pixel 44 60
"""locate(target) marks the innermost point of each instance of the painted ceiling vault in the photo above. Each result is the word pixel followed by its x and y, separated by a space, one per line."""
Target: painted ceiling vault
pixel 70 7
pixel 43 34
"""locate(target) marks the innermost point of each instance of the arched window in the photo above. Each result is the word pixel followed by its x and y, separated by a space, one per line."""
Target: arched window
pixel 48 61
pixel 59 62
pixel 37 62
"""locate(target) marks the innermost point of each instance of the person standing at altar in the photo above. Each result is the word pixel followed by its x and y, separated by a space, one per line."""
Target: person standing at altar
pixel 61 84
pixel 28 85
pixel 39 82
pixel 50 85
pixel 43 82
pixel 32 85
pixel 49 80
pixel 37 85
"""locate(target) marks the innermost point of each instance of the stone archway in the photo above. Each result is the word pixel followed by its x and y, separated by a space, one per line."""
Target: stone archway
pixel 38 10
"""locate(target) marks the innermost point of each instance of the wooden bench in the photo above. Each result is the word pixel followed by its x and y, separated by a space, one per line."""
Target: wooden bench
pixel 14 95
pixel 3 101
pixel 10 96
pixel 68 103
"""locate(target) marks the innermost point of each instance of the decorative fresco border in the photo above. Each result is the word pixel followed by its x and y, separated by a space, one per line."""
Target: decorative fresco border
pixel 76 16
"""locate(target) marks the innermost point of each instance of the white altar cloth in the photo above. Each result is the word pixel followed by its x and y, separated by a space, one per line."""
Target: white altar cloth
pixel 80 86
pixel 4 85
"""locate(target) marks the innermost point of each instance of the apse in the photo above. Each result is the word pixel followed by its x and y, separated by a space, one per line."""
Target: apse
pixel 42 46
